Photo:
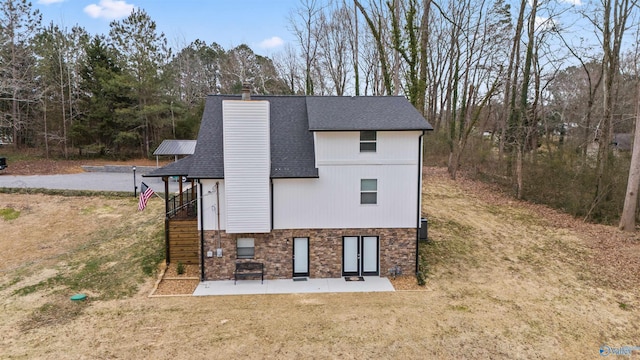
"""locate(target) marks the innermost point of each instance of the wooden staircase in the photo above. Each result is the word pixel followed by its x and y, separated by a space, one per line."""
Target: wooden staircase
pixel 183 241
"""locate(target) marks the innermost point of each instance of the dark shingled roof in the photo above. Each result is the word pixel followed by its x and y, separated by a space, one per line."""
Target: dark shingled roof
pixel 342 113
pixel 292 148
pixel 177 168
pixel 293 120
pixel 208 158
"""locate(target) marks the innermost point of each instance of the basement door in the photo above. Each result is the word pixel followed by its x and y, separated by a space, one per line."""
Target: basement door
pixel 300 256
pixel 360 256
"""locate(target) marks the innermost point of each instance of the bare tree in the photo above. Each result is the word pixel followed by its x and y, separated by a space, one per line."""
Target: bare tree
pixel 196 72
pixel 289 69
pixel 474 72
pixel 628 217
pixel 612 24
pixel 376 22
pixel 306 25
pixel 18 24
pixel 334 53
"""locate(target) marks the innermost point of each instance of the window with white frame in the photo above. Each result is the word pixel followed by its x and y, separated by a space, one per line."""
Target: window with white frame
pixel 245 248
pixel 368 191
pixel 368 141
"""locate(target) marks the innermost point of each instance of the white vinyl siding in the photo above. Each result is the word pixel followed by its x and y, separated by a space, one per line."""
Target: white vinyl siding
pixel 343 148
pixel 247 166
pixel 210 204
pixel 333 199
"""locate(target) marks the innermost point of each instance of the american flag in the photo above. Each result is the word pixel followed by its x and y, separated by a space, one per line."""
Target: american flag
pixel 145 193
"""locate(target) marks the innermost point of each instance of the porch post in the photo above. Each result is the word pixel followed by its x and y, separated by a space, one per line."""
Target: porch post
pixel 166 220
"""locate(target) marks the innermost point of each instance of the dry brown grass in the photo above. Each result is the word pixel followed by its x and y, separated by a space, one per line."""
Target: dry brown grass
pixel 505 280
pixel 30 165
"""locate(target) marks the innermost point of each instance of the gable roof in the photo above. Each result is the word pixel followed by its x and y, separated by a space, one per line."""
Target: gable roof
pixel 292 152
pixel 293 119
pixel 356 113
pixel 176 147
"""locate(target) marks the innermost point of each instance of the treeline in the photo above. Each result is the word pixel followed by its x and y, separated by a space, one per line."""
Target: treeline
pixel 535 95
pixel 117 94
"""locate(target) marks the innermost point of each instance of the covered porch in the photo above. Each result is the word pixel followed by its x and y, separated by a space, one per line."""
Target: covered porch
pixel 181 213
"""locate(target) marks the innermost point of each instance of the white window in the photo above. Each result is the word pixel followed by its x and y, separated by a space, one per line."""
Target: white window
pixel 367 141
pixel 245 248
pixel 368 191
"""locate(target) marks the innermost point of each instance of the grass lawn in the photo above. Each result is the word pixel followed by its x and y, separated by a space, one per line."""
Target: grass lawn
pixel 504 279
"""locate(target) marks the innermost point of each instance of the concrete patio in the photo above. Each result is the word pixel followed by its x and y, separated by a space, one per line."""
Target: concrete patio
pixel 289 286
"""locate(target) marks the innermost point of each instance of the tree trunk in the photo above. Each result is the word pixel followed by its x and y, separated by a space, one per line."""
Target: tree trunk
pixel 424 43
pixel 376 32
pixel 628 217
pixel 46 131
pixel 62 106
pixel 356 50
pixel 612 31
pixel 519 177
pixel 396 52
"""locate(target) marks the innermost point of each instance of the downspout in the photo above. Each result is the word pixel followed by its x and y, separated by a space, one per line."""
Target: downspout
pixel 271 185
pixel 218 214
pixel 167 243
pixel 419 211
pixel 201 232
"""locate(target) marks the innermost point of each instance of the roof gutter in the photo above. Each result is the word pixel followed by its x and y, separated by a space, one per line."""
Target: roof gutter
pixel 201 232
pixel 167 243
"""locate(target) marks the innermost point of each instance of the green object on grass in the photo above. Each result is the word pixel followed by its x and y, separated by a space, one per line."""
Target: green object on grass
pixel 78 297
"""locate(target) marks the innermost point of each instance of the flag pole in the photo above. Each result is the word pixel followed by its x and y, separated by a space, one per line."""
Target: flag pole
pixel 154 192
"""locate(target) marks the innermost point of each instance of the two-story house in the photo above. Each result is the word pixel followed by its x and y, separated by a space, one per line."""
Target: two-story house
pixel 307 185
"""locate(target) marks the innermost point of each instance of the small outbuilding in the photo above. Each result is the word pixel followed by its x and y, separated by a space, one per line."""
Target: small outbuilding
pixel 175 148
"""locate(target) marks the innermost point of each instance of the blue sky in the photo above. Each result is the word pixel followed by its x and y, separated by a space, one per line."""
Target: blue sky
pixel 261 24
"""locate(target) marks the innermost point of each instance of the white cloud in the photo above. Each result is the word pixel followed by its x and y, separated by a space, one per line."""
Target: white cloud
pixel 543 23
pixel 271 43
pixel 49 2
pixel 570 2
pixel 108 9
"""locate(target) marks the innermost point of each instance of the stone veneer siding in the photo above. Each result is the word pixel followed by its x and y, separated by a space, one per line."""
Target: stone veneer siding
pixel 397 246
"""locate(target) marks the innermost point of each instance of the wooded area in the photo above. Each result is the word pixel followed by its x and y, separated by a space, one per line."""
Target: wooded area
pixel 538 96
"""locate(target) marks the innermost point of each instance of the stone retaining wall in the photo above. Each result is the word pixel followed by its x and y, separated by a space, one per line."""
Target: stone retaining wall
pixel 118 168
pixel 275 250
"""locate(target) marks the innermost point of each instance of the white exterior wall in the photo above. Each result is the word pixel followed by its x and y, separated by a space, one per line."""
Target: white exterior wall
pixel 343 148
pixel 333 200
pixel 247 166
pixel 211 205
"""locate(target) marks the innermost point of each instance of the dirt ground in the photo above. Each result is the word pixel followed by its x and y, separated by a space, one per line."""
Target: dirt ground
pixel 505 280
